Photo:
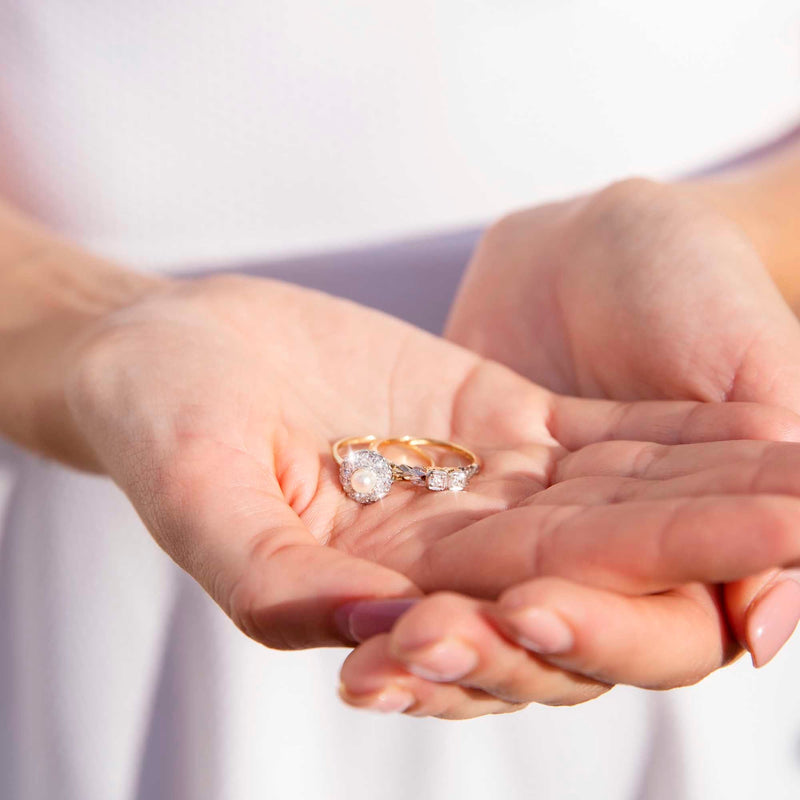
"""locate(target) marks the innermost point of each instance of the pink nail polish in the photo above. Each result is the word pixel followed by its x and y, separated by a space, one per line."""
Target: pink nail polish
pixel 362 619
pixel 392 700
pixel 772 621
pixel 541 631
pixel 448 660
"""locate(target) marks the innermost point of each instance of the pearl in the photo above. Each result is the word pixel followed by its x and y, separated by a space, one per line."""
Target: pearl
pixel 363 480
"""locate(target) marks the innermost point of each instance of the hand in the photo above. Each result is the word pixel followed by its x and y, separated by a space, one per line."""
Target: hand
pixel 604 610
pixel 635 292
pixel 639 291
pixel 654 296
pixel 213 404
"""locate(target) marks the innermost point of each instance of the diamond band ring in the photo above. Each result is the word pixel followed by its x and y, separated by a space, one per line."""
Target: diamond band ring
pixel 366 474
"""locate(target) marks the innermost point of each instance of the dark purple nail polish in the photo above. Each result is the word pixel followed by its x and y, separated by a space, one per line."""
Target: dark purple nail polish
pixel 362 619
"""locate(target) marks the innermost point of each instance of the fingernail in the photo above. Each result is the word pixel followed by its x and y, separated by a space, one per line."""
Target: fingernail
pixel 362 619
pixel 540 630
pixel 793 574
pixel 448 660
pixel 391 700
pixel 773 621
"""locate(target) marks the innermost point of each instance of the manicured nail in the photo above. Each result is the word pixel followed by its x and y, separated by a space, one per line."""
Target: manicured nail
pixel 392 700
pixel 362 619
pixel 773 621
pixel 448 660
pixel 540 630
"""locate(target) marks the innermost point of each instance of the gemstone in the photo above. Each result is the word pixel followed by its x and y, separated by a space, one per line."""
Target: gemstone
pixel 366 476
pixel 437 480
pixel 457 480
pixel 419 476
pixel 363 480
pixel 415 475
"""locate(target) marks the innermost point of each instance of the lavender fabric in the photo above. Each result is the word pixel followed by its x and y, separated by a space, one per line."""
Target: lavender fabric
pixel 414 279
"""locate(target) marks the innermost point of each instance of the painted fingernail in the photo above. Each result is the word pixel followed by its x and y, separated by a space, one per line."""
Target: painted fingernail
pixel 448 660
pixel 773 621
pixel 362 619
pixel 540 630
pixel 391 700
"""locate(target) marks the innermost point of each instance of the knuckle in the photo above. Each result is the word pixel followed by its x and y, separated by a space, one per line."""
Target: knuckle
pixel 517 228
pixel 504 233
pixel 630 191
pixel 616 211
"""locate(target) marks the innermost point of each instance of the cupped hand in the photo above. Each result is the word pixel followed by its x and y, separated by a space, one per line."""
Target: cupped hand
pixel 213 404
pixel 604 610
pixel 639 291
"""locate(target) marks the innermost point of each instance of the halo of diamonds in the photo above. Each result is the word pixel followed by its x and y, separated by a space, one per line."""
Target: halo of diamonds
pixel 372 462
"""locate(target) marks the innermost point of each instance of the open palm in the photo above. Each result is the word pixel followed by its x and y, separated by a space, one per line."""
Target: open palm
pixel 213 405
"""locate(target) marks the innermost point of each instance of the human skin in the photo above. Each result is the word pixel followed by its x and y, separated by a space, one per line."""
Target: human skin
pixel 212 403
pixel 640 290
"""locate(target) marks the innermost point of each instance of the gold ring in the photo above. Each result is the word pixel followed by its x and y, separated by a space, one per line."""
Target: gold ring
pixel 436 478
pixel 367 475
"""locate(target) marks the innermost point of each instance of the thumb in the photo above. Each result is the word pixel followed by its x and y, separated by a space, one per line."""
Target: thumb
pixel 766 362
pixel 763 611
pixel 223 518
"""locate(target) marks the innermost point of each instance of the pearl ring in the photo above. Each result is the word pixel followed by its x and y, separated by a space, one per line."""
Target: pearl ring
pixel 367 475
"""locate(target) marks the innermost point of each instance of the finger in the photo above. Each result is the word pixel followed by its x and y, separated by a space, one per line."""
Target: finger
pixel 635 548
pixel 763 611
pixel 576 422
pixel 224 519
pixel 372 679
pixel 777 472
pixel 650 461
pixel 446 638
pixel 655 641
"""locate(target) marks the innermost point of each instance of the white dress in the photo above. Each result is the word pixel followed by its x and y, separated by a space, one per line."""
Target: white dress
pixel 185 136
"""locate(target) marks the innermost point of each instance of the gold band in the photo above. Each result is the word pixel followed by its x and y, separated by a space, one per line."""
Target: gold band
pixel 436 478
pixel 337 446
pixel 417 442
pixel 366 474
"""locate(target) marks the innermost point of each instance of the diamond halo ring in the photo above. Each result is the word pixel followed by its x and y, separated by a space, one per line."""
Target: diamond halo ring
pixel 366 475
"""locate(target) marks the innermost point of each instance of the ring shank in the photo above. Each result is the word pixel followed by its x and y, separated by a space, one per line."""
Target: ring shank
pixel 416 442
pixel 350 441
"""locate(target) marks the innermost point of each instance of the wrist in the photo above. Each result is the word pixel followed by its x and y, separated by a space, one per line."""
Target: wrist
pixel 762 197
pixel 51 293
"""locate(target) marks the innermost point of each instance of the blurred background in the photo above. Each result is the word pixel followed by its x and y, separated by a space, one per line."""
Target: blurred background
pixel 334 144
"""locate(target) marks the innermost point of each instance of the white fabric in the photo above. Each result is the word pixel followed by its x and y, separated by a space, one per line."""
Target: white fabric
pixel 173 134
pixel 170 132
